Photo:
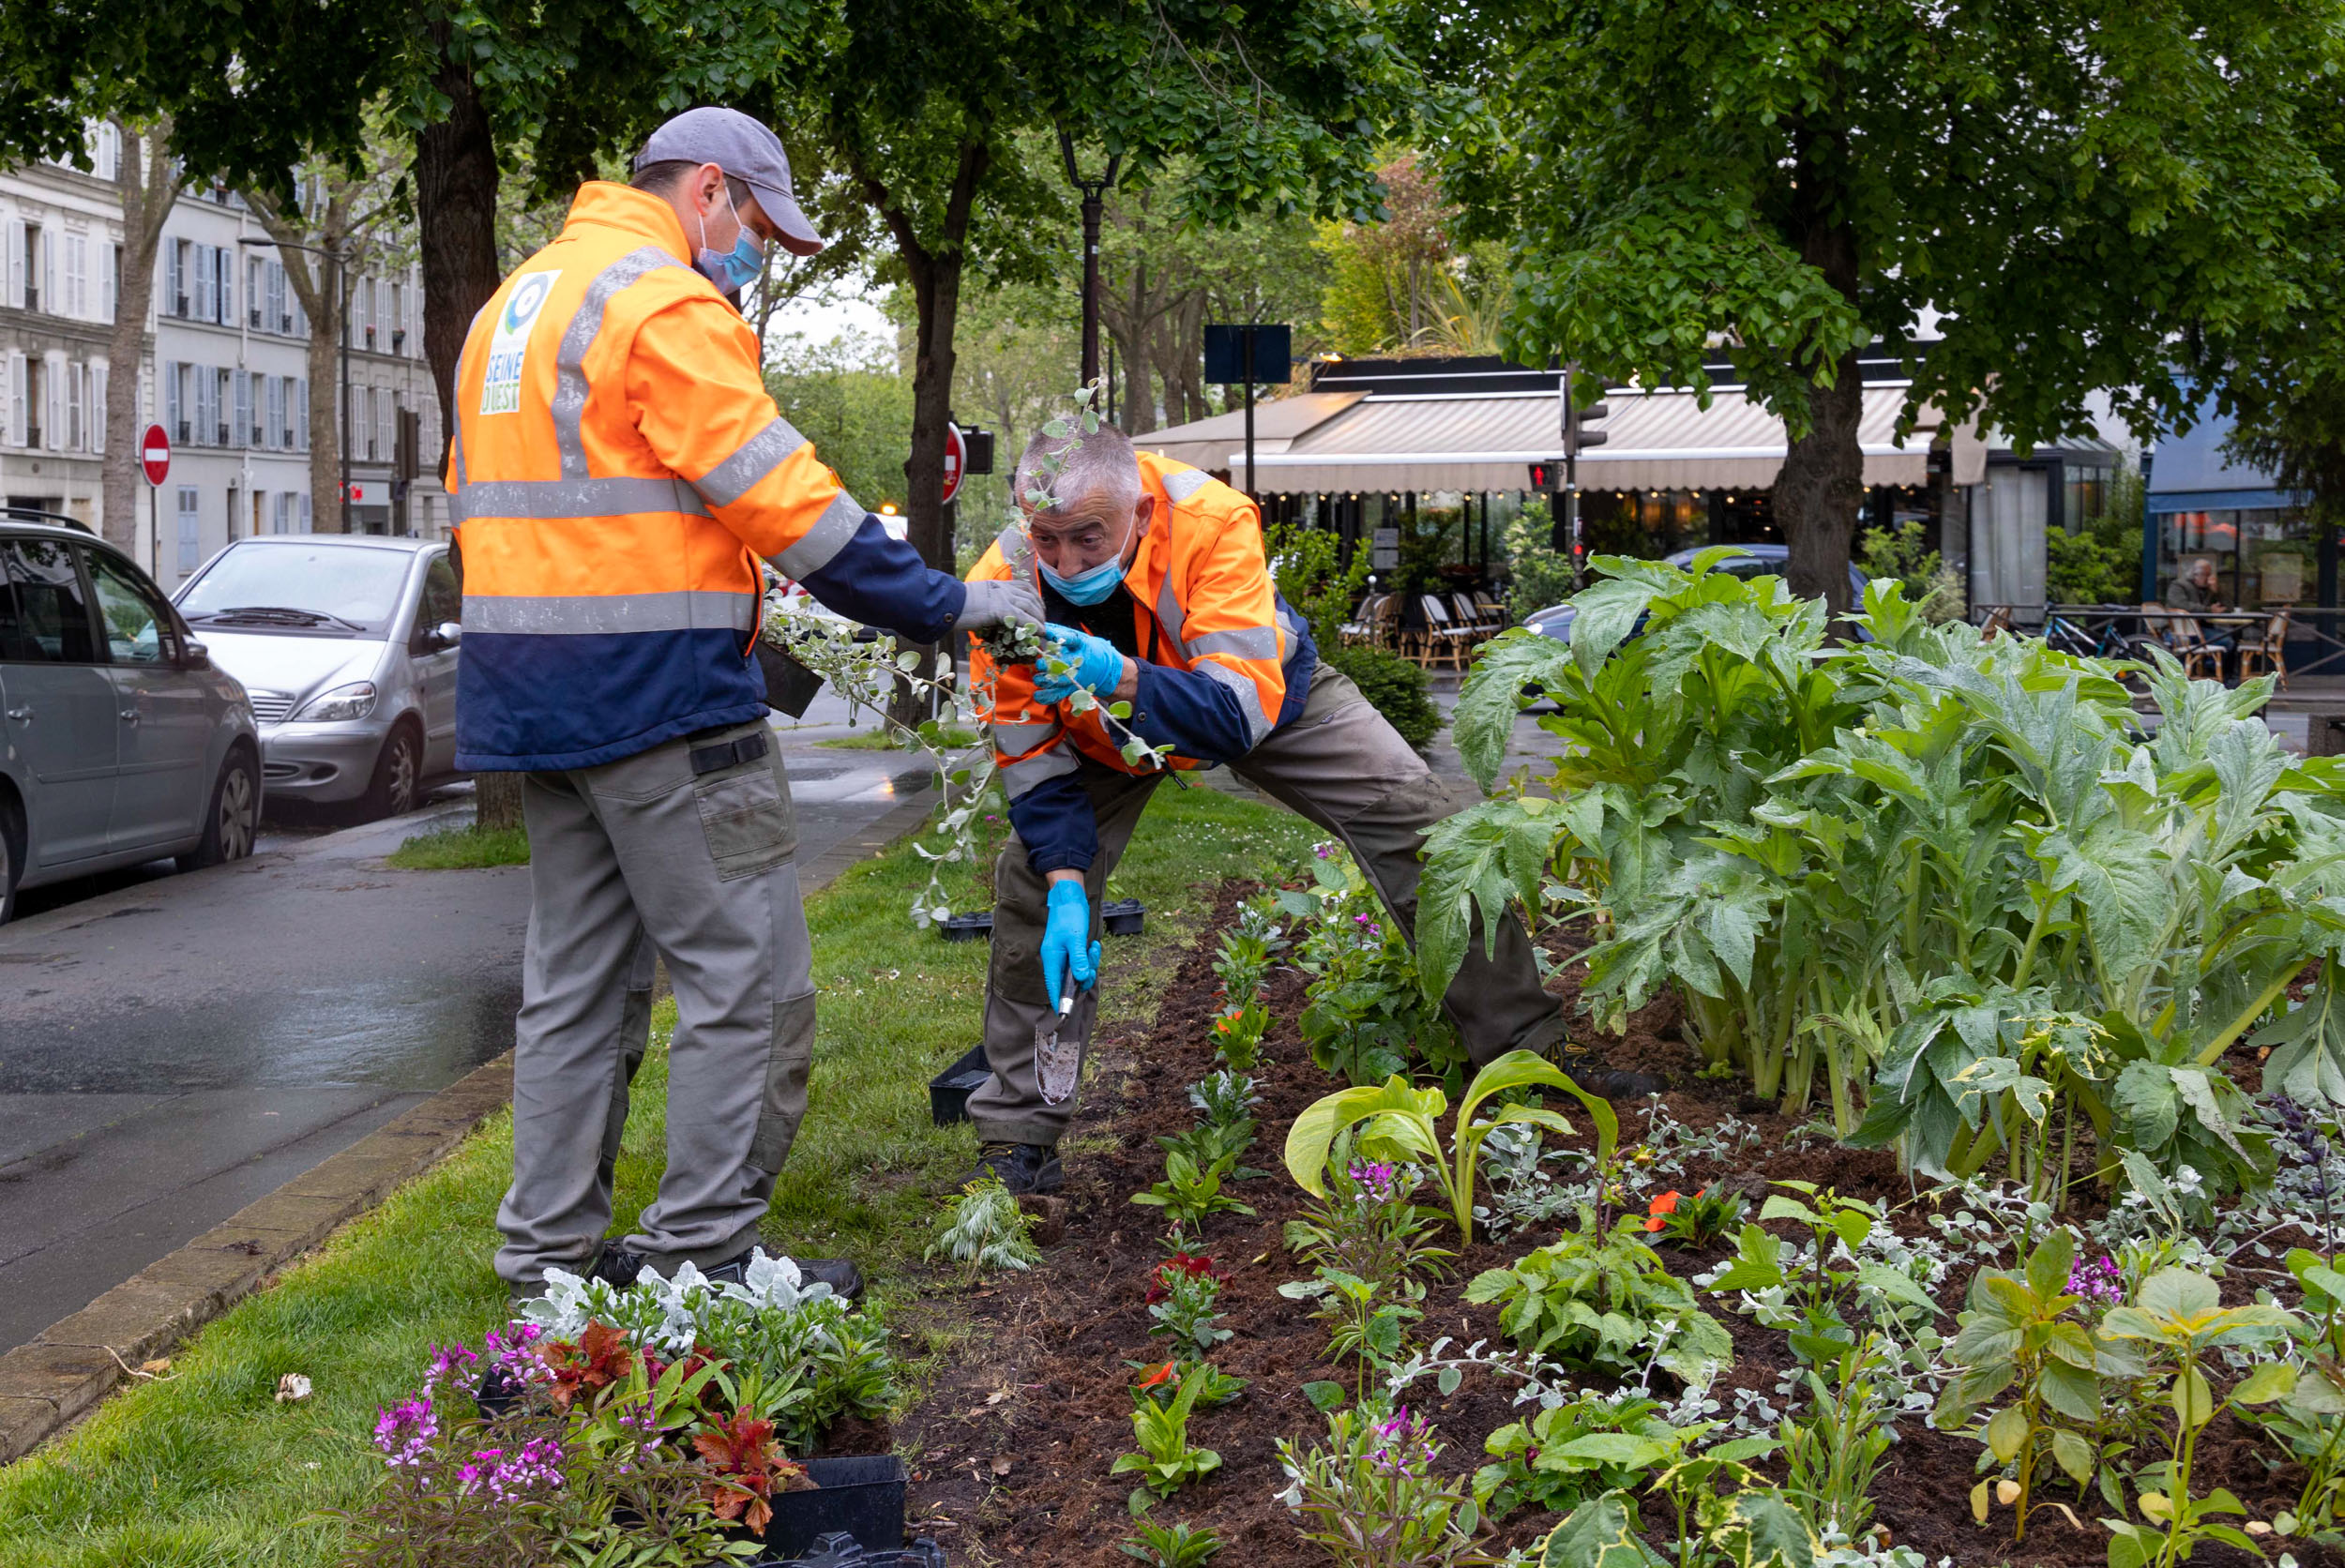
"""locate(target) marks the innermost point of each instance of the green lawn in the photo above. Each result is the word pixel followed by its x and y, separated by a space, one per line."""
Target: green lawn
pixel 205 1469
pixel 880 740
pixel 462 849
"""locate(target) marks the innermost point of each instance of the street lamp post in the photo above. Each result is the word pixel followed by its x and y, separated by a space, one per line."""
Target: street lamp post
pixel 1094 190
pixel 341 328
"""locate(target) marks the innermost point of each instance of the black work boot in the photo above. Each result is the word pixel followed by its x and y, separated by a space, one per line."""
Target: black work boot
pixel 1020 1168
pixel 845 1279
pixel 1604 1083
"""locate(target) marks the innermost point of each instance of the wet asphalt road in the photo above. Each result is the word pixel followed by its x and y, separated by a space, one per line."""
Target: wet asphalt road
pixel 173 1047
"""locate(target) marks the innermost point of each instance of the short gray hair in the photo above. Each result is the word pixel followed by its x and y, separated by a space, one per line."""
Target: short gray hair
pixel 1101 464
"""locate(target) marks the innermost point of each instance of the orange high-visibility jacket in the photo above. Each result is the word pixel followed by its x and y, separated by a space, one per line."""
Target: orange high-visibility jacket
pixel 618 469
pixel 1222 660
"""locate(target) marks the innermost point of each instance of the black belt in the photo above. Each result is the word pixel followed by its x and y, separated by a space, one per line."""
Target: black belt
pixel 711 759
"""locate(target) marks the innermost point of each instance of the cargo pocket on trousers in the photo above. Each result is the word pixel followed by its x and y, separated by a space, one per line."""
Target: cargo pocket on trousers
pixel 748 819
pixel 784 1103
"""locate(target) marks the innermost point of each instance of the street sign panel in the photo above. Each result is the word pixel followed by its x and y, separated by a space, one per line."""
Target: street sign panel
pixel 1225 352
pixel 956 461
pixel 155 455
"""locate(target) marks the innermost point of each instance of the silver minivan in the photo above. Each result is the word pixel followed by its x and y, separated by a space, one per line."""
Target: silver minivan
pixel 347 644
pixel 120 741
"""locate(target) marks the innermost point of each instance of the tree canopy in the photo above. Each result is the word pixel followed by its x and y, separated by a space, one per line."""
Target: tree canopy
pixel 2056 187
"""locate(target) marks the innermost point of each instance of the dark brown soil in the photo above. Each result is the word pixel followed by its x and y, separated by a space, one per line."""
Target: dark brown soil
pixel 1012 1448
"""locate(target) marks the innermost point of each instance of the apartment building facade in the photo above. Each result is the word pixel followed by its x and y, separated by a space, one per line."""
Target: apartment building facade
pixel 225 371
pixel 60 246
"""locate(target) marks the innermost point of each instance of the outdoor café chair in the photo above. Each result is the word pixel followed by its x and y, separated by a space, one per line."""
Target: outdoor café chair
pixel 2181 634
pixel 1442 639
pixel 2269 650
pixel 1362 626
pixel 1471 619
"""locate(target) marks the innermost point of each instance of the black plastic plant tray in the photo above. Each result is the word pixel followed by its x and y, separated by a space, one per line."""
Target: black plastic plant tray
pixel 950 1090
pixel 861 1496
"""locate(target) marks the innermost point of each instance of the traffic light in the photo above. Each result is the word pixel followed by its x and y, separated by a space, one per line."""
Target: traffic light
pixel 1578 434
pixel 1547 475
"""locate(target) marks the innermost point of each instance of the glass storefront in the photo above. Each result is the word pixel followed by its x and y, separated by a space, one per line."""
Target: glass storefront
pixel 2263 557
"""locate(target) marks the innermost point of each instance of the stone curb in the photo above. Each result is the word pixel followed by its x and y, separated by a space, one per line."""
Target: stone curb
pixel 62 1375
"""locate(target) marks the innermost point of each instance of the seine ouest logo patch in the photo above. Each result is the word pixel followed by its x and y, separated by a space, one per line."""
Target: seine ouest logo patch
pixel 509 345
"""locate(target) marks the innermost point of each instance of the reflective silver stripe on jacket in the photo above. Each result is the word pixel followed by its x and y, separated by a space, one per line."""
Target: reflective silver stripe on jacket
pixel 1182 483
pixel 1244 641
pixel 1248 696
pixel 755 458
pixel 595 614
pixel 1169 615
pixel 1019 777
pixel 574 498
pixel 1017 739
pixel 570 364
pixel 825 539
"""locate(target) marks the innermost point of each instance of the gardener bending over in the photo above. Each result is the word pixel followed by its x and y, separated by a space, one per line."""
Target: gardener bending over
pixel 1153 578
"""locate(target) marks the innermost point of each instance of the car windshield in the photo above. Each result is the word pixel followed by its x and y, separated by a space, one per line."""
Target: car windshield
pixel 327 590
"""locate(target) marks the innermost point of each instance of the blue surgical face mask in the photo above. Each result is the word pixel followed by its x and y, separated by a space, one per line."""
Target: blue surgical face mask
pixel 733 270
pixel 1087 587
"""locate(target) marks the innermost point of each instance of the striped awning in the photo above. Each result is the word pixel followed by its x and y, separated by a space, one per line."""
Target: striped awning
pixel 1661 440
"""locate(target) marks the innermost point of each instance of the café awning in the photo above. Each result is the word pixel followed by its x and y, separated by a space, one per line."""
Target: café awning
pixel 1666 439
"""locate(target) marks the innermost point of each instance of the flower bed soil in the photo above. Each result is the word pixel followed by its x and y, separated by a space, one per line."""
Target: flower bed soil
pixel 1011 1450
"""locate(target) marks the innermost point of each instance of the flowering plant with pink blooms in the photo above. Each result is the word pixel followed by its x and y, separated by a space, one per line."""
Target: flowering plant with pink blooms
pixel 1369 1498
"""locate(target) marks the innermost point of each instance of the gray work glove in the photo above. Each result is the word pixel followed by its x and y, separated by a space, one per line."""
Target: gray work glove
pixel 999 601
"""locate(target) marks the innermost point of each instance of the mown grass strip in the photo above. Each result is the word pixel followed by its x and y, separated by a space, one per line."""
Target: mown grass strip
pixel 463 849
pixel 206 1469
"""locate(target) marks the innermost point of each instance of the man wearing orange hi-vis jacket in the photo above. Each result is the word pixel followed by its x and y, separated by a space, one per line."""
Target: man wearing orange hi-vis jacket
pixel 1157 592
pixel 618 472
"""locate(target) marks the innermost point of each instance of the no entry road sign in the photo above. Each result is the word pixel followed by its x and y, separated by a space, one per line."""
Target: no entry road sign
pixel 155 455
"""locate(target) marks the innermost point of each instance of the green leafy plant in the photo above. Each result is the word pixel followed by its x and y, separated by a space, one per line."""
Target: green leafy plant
pixel 1832 1451
pixel 1368 1225
pixel 1189 1194
pixel 1943 876
pixel 1809 1293
pixel 1214 1145
pixel 1166 1462
pixel 1183 1298
pixel 1570 1451
pixel 1606 1304
pixel 1181 1545
pixel 2023 1334
pixel 1403 1124
pixel 1237 1031
pixel 2179 1317
pixel 1367 1496
pixel 1678 1219
pixel 1361 1325
pixel 1752 1528
pixel 984 1230
pixel 1224 1098
pixel 1364 1017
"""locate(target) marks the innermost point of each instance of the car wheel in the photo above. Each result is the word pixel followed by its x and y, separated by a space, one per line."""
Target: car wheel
pixel 234 816
pixel 398 775
pixel 11 858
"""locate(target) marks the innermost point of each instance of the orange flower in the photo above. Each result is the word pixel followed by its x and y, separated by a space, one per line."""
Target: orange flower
pixel 1157 1375
pixel 1665 1204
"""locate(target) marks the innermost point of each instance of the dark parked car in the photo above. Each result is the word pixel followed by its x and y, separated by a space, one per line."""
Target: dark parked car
pixel 1754 561
pixel 120 742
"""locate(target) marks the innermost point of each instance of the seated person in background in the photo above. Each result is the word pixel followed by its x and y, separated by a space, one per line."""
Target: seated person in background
pixel 2195 590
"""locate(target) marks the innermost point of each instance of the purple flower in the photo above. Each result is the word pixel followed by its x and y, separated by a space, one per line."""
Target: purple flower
pixel 1403 1446
pixel 404 1431
pixel 510 1350
pixel 1374 1177
pixel 1324 852
pixel 448 1360
pixel 2099 1280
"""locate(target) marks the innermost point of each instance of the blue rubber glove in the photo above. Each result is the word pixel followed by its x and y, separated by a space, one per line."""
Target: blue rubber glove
pixel 1094 664
pixel 1067 943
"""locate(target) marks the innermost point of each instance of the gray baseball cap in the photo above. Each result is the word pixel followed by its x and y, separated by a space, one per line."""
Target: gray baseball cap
pixel 746 151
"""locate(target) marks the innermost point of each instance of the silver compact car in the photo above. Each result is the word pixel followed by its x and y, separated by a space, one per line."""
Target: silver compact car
pixel 347 644
pixel 120 742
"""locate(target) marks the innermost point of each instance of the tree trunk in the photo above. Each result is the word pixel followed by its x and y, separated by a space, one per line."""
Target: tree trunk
pixel 496 800
pixel 935 278
pixel 146 187
pixel 1821 488
pixel 456 200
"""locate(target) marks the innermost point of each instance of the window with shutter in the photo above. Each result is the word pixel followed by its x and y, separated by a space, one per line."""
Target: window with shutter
pixel 14 399
pixel 244 408
pixel 13 265
pixel 224 260
pixel 172 421
pixel 48 271
pixel 75 375
pixel 53 403
pixel 301 415
pixel 97 379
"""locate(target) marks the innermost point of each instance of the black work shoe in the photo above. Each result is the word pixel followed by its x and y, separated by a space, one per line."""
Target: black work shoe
pixel 1020 1168
pixel 617 1265
pixel 1606 1083
pixel 845 1279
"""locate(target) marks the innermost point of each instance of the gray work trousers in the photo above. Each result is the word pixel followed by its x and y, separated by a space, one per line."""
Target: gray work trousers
pixel 632 860
pixel 1341 765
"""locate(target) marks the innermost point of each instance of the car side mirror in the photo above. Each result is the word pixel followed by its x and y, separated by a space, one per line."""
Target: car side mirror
pixel 194 656
pixel 449 634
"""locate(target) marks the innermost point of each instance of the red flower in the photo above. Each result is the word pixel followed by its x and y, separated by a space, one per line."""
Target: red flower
pixel 1196 1266
pixel 1155 1376
pixel 1665 1204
